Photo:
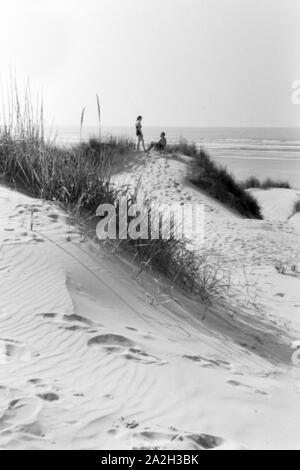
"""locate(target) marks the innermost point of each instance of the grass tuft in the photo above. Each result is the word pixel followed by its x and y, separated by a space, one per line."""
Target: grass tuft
pixel 183 147
pixel 221 185
pixel 216 181
pixel 268 183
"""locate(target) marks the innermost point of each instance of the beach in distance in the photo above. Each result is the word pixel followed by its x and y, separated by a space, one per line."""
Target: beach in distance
pixel 260 152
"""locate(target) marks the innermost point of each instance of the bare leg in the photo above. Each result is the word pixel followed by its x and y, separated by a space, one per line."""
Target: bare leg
pixel 151 146
pixel 141 141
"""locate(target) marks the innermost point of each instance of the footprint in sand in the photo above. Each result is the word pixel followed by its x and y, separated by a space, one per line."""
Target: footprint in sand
pixel 172 438
pixel 35 381
pixel 50 396
pixel 21 415
pixel 204 362
pixel 111 340
pixel 123 346
pixel 11 350
pixel 71 322
pixel 235 383
pixel 138 355
pixel 44 390
pixel 78 320
pixel 47 315
pixel 148 335
pixel 54 217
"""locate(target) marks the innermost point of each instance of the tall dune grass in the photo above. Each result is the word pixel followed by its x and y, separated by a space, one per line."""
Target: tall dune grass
pixel 53 173
pixel 221 185
pixel 216 181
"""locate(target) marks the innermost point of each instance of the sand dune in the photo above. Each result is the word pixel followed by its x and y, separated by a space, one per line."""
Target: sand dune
pixel 89 361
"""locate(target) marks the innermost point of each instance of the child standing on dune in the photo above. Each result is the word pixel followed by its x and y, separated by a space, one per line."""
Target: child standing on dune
pixel 139 133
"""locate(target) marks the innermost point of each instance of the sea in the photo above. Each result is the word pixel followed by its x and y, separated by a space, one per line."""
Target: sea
pixel 261 152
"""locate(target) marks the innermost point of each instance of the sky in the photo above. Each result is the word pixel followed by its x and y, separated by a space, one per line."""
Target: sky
pixel 176 62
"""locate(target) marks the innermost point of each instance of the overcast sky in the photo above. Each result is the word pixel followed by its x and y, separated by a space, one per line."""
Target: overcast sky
pixel 176 62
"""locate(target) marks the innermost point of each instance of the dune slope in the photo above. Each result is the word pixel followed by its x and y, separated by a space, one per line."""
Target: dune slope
pixel 93 358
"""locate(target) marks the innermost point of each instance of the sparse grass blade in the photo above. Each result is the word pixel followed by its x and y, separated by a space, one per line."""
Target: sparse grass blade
pixel 99 117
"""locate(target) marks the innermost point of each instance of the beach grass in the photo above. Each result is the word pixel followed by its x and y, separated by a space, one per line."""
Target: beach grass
pixel 183 147
pixel 268 183
pixel 120 151
pixel 217 182
pixel 296 208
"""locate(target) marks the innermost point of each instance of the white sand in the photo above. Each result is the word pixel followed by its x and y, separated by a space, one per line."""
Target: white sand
pixel 294 221
pixel 91 359
pixel 277 204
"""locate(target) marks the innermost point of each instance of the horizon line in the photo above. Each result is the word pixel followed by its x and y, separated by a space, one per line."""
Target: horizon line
pixel 177 126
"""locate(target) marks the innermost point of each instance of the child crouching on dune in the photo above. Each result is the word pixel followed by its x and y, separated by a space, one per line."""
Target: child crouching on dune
pixel 161 145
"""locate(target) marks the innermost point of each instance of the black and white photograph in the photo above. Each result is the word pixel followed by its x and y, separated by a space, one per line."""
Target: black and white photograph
pixel 149 227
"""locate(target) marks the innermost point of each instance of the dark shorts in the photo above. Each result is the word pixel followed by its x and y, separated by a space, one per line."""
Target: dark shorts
pixel 159 147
